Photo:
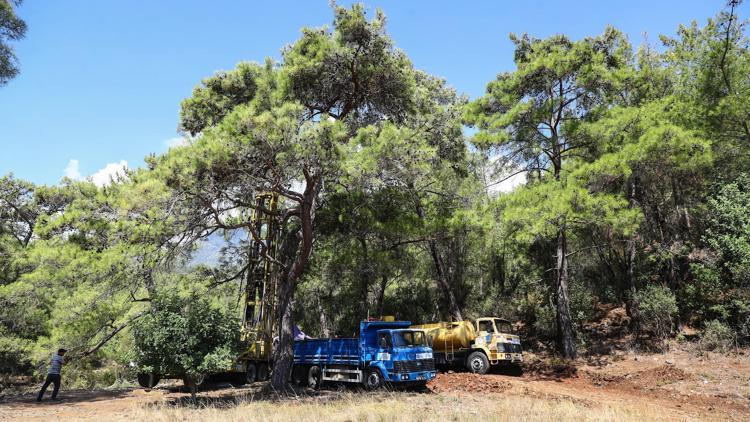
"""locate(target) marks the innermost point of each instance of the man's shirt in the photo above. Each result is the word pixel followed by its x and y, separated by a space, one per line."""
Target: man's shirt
pixel 55 365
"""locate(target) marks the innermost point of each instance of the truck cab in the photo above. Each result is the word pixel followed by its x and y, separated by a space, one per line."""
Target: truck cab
pixel 403 355
pixel 496 337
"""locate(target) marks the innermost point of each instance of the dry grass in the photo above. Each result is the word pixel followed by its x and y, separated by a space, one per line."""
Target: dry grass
pixel 406 407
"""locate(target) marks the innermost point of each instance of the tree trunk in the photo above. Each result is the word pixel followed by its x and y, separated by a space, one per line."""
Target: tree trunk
pixel 440 274
pixel 366 275
pixel 442 280
pixel 381 293
pixel 565 333
pixel 633 305
pixel 284 352
pixel 324 330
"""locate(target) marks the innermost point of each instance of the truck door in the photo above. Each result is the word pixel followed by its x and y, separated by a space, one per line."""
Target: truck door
pixel 384 346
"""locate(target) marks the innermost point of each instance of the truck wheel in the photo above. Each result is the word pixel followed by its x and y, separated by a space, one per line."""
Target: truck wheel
pixel 251 373
pixel 314 377
pixel 237 379
pixel 374 380
pixel 477 363
pixel 148 380
pixel 262 372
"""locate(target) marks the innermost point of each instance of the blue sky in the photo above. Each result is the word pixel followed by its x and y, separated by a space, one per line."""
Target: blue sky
pixel 101 81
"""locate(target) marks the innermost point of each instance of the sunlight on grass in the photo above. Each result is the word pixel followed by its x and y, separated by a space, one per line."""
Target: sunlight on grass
pixel 401 407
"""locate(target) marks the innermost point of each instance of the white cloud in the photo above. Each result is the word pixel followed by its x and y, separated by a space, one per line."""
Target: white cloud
pixel 109 173
pixel 102 177
pixel 72 170
pixel 176 142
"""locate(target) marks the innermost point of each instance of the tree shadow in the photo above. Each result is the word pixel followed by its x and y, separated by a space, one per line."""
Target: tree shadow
pixel 65 396
pixel 223 396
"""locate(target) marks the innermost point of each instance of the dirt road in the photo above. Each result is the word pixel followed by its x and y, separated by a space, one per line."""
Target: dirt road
pixel 677 386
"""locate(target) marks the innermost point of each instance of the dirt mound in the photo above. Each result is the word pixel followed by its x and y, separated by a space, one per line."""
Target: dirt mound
pixel 467 382
pixel 661 375
pixel 650 378
pixel 544 369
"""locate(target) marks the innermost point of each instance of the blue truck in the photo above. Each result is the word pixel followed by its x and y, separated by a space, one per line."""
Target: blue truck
pixel 386 352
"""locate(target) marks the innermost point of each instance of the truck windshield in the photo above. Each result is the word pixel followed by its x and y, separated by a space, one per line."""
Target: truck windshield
pixel 408 339
pixel 503 326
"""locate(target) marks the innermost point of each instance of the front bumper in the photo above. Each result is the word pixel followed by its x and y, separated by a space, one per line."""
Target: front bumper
pixel 497 357
pixel 411 376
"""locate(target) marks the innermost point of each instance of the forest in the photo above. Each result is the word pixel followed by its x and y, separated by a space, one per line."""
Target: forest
pixel 599 171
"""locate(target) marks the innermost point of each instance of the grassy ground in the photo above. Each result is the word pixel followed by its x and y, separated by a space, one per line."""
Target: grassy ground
pixel 679 385
pixel 406 407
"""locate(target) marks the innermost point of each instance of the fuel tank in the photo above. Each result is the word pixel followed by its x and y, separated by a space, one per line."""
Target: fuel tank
pixel 446 336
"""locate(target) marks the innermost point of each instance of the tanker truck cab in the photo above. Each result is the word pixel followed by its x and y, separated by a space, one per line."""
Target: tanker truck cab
pixel 495 336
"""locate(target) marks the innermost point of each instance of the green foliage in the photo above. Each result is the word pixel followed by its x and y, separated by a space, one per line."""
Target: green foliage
pixel 720 289
pixel 217 96
pixel 185 336
pixel 12 28
pixel 729 229
pixel 353 71
pixel 658 308
pixel 717 336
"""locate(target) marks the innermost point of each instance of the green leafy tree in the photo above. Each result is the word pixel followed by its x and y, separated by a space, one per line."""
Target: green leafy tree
pixel 186 336
pixel 12 28
pixel 532 114
pixel 337 113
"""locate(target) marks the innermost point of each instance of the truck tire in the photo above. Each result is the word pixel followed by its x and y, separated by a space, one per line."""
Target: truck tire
pixel 314 377
pixel 374 380
pixel 148 380
pixel 237 379
pixel 251 373
pixel 477 363
pixel 262 372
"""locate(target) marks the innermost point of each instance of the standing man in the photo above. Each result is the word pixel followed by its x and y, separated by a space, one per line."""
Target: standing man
pixel 53 375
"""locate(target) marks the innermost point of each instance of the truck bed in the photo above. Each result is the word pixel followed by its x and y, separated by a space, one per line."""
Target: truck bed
pixel 328 351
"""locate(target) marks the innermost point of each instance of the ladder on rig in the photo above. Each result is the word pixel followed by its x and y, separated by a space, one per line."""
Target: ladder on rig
pixel 261 280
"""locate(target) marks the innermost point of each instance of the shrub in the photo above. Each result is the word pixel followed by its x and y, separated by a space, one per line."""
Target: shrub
pixel 717 336
pixel 545 324
pixel 185 336
pixel 657 308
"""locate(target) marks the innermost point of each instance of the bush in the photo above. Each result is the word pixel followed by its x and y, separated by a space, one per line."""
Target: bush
pixel 657 308
pixel 185 336
pixel 545 324
pixel 717 336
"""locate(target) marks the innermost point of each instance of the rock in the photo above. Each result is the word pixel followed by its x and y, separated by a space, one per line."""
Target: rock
pixel 669 362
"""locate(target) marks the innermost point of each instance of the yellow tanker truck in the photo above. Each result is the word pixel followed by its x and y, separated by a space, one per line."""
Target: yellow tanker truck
pixel 488 341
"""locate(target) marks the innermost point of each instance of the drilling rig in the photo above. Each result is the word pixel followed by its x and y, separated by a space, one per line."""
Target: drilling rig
pixel 259 309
